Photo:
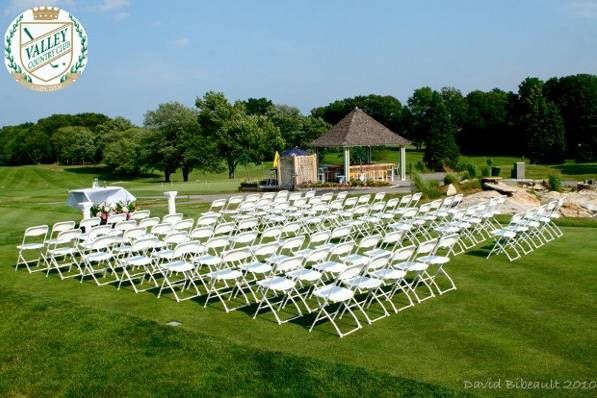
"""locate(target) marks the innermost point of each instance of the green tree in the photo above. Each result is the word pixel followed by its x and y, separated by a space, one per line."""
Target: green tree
pixel 123 153
pixel 576 97
pixel 258 106
pixel 176 141
pixel 37 146
pixel 74 144
pixel 440 144
pixel 457 106
pixel 296 129
pixel 235 134
pixel 417 115
pixel 542 125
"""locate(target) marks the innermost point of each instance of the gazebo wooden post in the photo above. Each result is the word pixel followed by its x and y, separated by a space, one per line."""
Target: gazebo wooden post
pixel 347 165
pixel 402 163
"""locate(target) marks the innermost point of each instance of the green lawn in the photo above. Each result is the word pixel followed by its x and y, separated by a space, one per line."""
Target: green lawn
pixel 532 319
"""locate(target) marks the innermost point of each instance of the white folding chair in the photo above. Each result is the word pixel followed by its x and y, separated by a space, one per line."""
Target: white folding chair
pixel 137 265
pixel 227 280
pixel 99 261
pixel 179 272
pixel 61 253
pixel 32 245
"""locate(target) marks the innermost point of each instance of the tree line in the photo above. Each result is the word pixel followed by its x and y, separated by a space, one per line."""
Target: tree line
pixel 545 122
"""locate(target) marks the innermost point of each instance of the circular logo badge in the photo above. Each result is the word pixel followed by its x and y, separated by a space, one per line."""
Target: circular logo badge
pixel 45 49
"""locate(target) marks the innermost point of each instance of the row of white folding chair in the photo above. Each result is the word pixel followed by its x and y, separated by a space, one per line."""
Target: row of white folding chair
pixel 527 231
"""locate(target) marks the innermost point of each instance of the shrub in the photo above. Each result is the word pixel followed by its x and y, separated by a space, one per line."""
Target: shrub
pixel 451 178
pixel 471 185
pixel 485 171
pixel 420 166
pixel 429 188
pixel 470 170
pixel 555 184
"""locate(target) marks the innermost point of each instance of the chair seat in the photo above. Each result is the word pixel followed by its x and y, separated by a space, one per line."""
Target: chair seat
pixel 98 256
pixel 377 252
pixel 433 259
pixel 401 226
pixel 364 283
pixel 138 261
pixel 164 254
pixel 330 266
pixel 256 268
pixel 503 233
pixel 208 260
pixel 335 294
pixel 411 266
pixel 277 283
pixel 371 219
pixel 278 259
pixel 225 274
pixel 356 259
pixel 389 274
pixel 178 266
pixel 61 251
pixel 305 274
pixel 30 246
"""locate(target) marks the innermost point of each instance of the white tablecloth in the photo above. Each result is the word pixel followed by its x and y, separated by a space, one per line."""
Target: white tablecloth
pixel 111 195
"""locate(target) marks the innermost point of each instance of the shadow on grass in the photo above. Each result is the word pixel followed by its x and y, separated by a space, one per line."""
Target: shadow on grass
pixel 577 168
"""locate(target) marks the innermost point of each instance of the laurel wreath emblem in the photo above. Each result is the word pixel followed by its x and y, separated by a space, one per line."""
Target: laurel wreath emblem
pixel 8 51
pixel 80 64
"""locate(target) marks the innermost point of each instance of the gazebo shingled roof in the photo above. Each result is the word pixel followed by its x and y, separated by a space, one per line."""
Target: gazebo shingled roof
pixel 359 129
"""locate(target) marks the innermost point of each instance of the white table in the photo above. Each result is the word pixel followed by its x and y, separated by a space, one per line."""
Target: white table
pixel 111 196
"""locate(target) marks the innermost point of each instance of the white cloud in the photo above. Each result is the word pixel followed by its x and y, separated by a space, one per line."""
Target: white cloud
pixel 582 8
pixel 111 5
pixel 181 42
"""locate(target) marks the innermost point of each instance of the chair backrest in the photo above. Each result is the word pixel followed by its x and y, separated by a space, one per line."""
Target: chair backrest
pixel 98 231
pixel 202 233
pixel 133 233
pixel 360 210
pixel 341 249
pixel 317 256
pixel 206 221
pixel 379 262
pixel 393 237
pixel 140 214
pixel 268 195
pixel 103 243
pixel 404 253
pixel 391 204
pixel 161 229
pixel 349 203
pixel 379 196
pixel 87 223
pixel 223 229
pixel 249 223
pixel 349 273
pixel 405 200
pixel 236 257
pixel 143 245
pixel 116 218
pixel 446 242
pixel 341 233
pixel 172 218
pixel 369 241
pixel 327 197
pixel 217 204
pixel 254 197
pixel 342 195
pixel 68 236
pixel 310 194
pixel 149 222
pixel 410 213
pixel 336 205
pixel 62 226
pixel 125 225
pixel 233 201
pixel 292 228
pixel 176 237
pixel 217 243
pixel 245 238
pixel 364 199
pixel 188 249
pixel 265 251
pixel 293 244
pixel 320 237
pixel 289 264
pixel 377 208
pixel 184 225
pixel 427 246
pixel 271 234
pixel 415 198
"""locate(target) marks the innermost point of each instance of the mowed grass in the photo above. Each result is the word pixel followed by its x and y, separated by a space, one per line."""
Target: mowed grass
pixel 533 319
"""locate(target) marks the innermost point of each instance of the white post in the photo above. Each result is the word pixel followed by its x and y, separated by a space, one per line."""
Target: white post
pixel 347 164
pixel 402 163
pixel 171 195
pixel 86 207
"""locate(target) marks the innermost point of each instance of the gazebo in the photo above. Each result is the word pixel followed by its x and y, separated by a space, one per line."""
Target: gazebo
pixel 357 129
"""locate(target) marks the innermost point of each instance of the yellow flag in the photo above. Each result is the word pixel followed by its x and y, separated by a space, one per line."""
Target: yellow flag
pixel 276 160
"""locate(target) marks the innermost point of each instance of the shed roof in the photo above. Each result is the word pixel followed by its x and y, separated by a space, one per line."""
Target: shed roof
pixel 359 129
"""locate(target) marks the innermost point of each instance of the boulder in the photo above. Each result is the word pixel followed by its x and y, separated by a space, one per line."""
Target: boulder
pixel 451 190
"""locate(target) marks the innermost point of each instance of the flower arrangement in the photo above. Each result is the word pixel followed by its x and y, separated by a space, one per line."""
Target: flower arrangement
pixel 104 210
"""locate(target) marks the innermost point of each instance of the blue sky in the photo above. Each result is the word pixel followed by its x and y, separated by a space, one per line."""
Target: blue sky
pixel 304 53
